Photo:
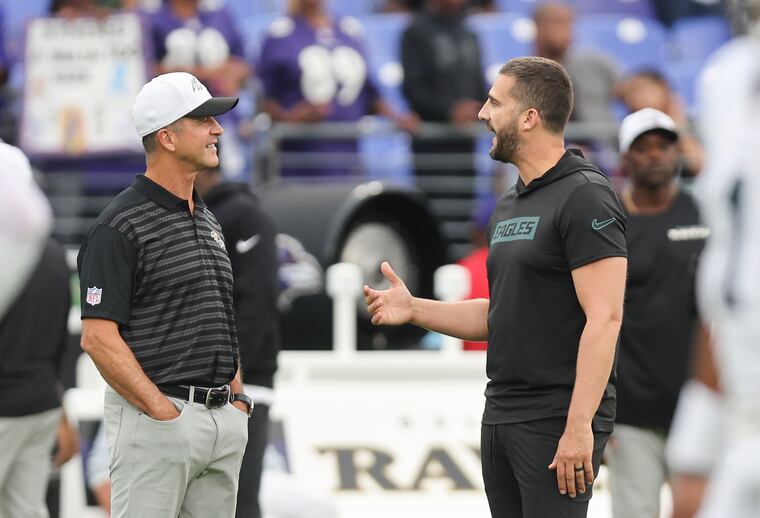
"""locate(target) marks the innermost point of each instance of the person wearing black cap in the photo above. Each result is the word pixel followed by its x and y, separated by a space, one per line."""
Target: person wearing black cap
pixel 158 318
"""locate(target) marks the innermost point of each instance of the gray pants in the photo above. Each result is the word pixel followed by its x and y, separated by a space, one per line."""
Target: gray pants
pixel 26 444
pixel 636 460
pixel 186 467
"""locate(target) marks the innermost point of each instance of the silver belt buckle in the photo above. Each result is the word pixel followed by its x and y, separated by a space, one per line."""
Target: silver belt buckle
pixel 208 403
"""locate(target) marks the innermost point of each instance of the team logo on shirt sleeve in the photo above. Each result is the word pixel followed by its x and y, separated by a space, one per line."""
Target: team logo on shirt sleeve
pixel 515 229
pixel 94 295
pixel 219 239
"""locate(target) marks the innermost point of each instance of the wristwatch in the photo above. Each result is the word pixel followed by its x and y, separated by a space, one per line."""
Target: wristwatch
pixel 242 397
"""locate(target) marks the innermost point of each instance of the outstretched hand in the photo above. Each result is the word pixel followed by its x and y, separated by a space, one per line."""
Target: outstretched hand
pixel 390 307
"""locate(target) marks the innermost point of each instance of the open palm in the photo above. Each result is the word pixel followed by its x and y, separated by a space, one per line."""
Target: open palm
pixel 390 307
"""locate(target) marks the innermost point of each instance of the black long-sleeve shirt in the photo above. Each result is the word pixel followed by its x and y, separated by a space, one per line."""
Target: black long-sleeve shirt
pixel 442 65
pixel 33 337
pixel 249 235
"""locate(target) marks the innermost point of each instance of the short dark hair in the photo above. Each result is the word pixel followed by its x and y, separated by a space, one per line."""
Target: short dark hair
pixel 149 142
pixel 544 85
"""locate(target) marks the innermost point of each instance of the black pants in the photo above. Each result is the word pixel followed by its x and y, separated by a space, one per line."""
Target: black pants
pixel 515 459
pixel 253 458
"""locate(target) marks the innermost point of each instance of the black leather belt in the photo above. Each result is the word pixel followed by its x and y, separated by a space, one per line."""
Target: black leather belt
pixel 212 397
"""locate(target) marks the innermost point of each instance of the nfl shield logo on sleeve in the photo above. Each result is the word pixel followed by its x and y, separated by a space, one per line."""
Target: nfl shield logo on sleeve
pixel 93 295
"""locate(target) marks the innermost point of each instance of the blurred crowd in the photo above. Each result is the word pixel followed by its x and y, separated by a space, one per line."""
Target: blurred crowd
pixel 421 66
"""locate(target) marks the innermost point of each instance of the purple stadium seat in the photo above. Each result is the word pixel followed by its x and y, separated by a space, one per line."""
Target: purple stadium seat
pixel 354 7
pixel 634 42
pixel 682 76
pixel 382 35
pixel 386 156
pixel 246 8
pixel 252 30
pixel 16 14
pixel 523 7
pixel 694 39
pixel 502 36
pixel 638 8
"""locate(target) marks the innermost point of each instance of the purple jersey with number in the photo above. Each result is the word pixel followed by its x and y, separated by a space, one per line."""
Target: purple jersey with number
pixel 321 66
pixel 205 40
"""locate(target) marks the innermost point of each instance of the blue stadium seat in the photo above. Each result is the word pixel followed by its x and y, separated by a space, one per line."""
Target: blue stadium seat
pixel 246 8
pixel 502 36
pixel 638 8
pixel 252 30
pixel 382 34
pixel 16 14
pixel 386 156
pixel 634 42
pixel 354 7
pixel 694 39
pixel 523 7
pixel 682 76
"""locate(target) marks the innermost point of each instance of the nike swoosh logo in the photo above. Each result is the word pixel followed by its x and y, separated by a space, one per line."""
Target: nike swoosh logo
pixel 599 225
pixel 244 246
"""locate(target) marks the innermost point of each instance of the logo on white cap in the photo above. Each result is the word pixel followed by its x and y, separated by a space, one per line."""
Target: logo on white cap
pixel 169 97
pixel 197 85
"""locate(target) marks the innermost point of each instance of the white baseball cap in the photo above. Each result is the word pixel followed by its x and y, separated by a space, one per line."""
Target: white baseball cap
pixel 638 123
pixel 169 97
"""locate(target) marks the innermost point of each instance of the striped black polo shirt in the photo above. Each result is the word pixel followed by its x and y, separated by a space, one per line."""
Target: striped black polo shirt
pixel 164 276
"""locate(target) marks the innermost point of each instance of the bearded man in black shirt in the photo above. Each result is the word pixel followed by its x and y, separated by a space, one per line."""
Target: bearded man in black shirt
pixel 665 237
pixel 556 274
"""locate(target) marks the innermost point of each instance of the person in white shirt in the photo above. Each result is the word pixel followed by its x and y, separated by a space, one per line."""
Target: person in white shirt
pixel 25 219
pixel 729 275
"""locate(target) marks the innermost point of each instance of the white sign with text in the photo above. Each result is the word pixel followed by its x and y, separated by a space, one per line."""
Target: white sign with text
pixel 81 79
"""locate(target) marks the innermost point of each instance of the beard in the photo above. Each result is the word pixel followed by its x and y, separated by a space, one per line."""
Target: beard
pixel 507 143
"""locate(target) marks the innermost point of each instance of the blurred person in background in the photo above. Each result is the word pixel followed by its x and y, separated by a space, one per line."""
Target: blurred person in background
pixel 78 8
pixel 729 272
pixel 664 237
pixel 24 225
pixel 670 11
pixel 443 83
pixel 314 68
pixel 695 442
pixel 594 75
pixel 650 89
pixel 202 38
pixel 33 337
pixel 249 234
pixel 416 5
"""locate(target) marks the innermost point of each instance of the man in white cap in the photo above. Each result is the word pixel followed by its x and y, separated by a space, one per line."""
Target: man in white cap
pixel 158 318
pixel 664 238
